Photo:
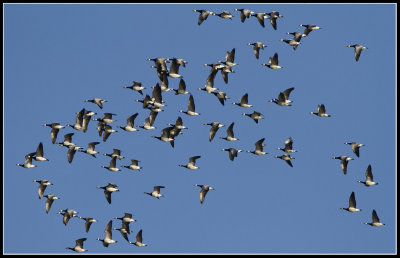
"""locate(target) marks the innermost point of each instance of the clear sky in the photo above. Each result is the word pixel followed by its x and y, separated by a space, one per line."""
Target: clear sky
pixel 58 55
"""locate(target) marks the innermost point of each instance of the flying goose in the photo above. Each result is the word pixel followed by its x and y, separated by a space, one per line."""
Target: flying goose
pixel 230 136
pixel 321 111
pixel 98 101
pixel 357 50
pixel 50 200
pixel 352 204
pixel 127 218
pixel 157 96
pixel 244 14
pixel 71 152
pixel 287 158
pixel 283 98
pixel 355 146
pixel 67 215
pixel 259 148
pixel 182 88
pixel 214 128
pixel 107 131
pixel 156 192
pixel 136 86
pixel 178 124
pixel 124 230
pixel 257 46
pixel 78 246
pixel 149 121
pixel 86 119
pixel 369 178
pixel 232 153
pixel 224 15
pixel 309 28
pixel 272 17
pixel 39 153
pixel 191 107
pixel 112 166
pixel 204 191
pixel 88 222
pixel 90 149
pixel 42 187
pixel 78 120
pixel 108 235
pixel 192 163
pixel 134 165
pixel 255 116
pixel 139 240
pixel 243 101
pixel 273 62
pixel 221 96
pixel 230 58
pixel 288 146
pixel 28 161
pixel 296 35
pixel 180 61
pixel 129 124
pixel 146 101
pixel 344 161
pixel 375 220
pixel 55 127
pixel 108 189
pixel 260 17
pixel 209 87
pixel 107 118
pixel 174 69
pixel 291 42
pixel 160 63
pixel 100 127
pixel 203 15
pixel 166 136
pixel 67 140
pixel 116 153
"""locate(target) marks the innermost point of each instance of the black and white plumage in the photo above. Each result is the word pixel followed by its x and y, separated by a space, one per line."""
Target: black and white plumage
pixel 357 50
pixel 204 191
pixel 352 204
pixel 232 153
pixel 192 163
pixel 369 178
pixel 108 189
pixel 355 146
pixel 230 136
pixel 283 98
pixel 344 160
pixel 259 146
pixel 287 158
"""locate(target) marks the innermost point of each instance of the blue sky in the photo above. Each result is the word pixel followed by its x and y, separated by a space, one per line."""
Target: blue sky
pixel 56 56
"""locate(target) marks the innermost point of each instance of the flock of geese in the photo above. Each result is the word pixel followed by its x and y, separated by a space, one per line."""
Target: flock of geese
pixel 155 104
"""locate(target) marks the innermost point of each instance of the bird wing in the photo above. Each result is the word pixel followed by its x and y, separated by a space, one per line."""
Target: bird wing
pixel 53 134
pixel 343 165
pixel 368 174
pixel 273 22
pixel 289 143
pixel 213 131
pixel 191 106
pixel 375 217
pixel 256 51
pixel 108 196
pixel 352 200
pixel 139 234
pixel 107 231
pixel 193 159
pixel 203 195
pixel 49 202
pixel 289 162
pixel 229 131
pixel 259 144
pixel 244 99
pixel 39 150
pixel 287 92
pixel 356 149
pixel 71 153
